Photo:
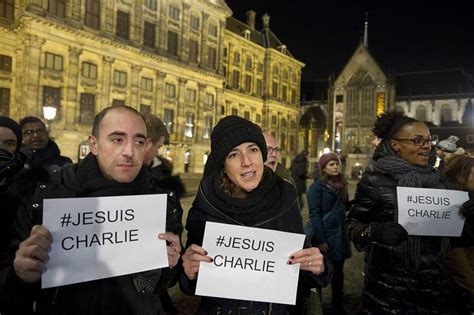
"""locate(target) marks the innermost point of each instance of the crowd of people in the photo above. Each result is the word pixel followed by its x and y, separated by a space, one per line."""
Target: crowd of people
pixel 243 184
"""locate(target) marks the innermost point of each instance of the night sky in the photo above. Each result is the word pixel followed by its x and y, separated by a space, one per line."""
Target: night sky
pixel 402 37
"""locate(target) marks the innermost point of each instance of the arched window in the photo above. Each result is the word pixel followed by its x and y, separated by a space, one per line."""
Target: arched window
pixel 446 113
pixel 421 113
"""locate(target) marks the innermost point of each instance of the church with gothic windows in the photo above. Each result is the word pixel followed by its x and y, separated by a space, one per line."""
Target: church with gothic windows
pixel 338 113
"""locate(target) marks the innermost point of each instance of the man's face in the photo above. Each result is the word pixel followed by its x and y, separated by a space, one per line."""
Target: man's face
pixel 35 136
pixel 152 149
pixel 273 151
pixel 8 139
pixel 120 145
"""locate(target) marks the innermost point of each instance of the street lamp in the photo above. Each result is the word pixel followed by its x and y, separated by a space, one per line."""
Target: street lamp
pixel 49 112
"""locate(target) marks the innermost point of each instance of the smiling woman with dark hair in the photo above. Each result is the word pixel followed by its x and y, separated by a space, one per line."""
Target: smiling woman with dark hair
pixel 405 274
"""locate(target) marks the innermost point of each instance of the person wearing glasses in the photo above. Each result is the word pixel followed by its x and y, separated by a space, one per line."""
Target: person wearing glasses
pixel 405 274
pixel 38 147
pixel 274 152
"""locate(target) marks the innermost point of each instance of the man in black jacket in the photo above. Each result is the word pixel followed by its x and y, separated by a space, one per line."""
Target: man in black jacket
pixel 113 168
pixel 10 165
pixel 38 147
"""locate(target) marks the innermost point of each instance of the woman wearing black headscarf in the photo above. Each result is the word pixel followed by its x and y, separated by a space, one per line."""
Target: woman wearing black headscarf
pixel 405 274
pixel 237 189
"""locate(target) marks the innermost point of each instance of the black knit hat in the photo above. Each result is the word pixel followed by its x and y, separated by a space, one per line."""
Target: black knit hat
pixel 230 132
pixel 13 126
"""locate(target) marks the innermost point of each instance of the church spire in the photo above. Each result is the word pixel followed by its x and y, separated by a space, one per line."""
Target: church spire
pixel 366 31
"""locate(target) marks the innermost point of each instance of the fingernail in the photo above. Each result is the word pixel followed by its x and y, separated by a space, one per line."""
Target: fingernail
pixel 292 257
pixel 211 260
pixel 205 253
pixel 290 262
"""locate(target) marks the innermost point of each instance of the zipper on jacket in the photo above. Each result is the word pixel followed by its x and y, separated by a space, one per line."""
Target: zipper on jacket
pixel 55 296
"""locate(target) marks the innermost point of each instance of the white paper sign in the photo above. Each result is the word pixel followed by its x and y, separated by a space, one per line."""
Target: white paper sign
pixel 249 264
pixel 435 212
pixel 96 238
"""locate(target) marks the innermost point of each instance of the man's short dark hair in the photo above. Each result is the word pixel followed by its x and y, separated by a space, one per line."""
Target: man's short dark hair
pixel 156 128
pixel 100 115
pixel 31 119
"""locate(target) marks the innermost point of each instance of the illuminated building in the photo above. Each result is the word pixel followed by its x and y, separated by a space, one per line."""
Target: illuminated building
pixel 173 58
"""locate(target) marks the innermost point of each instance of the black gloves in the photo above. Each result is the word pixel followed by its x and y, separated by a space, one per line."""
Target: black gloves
pixel 389 233
pixel 467 209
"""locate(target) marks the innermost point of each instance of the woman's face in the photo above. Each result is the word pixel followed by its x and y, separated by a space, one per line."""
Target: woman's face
pixel 332 168
pixel 244 166
pixel 404 145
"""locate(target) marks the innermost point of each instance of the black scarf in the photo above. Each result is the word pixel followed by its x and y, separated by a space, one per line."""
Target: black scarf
pixel 406 174
pixel 261 204
pixel 93 183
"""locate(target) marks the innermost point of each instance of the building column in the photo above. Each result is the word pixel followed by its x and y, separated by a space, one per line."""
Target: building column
pixel 200 108
pixel 162 28
pixel 220 49
pixel 204 30
pixel 160 84
pixel 135 86
pixel 72 105
pixel 107 62
pixel 184 50
pixel 181 114
pixel 218 102
pixel 30 104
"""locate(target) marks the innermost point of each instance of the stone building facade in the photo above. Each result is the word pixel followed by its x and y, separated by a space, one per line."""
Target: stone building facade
pixel 167 57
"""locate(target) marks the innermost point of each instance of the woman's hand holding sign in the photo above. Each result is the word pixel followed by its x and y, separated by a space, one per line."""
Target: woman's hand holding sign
pixel 191 260
pixel 173 248
pixel 310 259
pixel 30 258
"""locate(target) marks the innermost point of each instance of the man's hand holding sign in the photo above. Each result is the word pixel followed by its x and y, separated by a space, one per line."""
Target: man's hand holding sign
pixel 252 259
pixel 32 255
pixel 86 241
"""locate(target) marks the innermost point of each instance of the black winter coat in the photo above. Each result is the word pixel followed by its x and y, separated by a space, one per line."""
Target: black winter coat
pixel 299 171
pixel 49 157
pixel 396 283
pixel 117 295
pixel 288 220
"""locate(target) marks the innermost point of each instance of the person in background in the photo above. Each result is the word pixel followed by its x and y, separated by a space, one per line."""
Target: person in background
pixel 303 303
pixel 273 156
pixel 114 167
pixel 327 203
pixel 38 147
pixel 160 167
pixel 299 171
pixel 237 189
pixel 402 269
pixel 162 170
pixel 445 148
pixel 11 164
pixel 459 173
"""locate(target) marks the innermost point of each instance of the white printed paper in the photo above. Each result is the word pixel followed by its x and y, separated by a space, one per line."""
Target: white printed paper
pixel 249 264
pixel 102 237
pixel 435 212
